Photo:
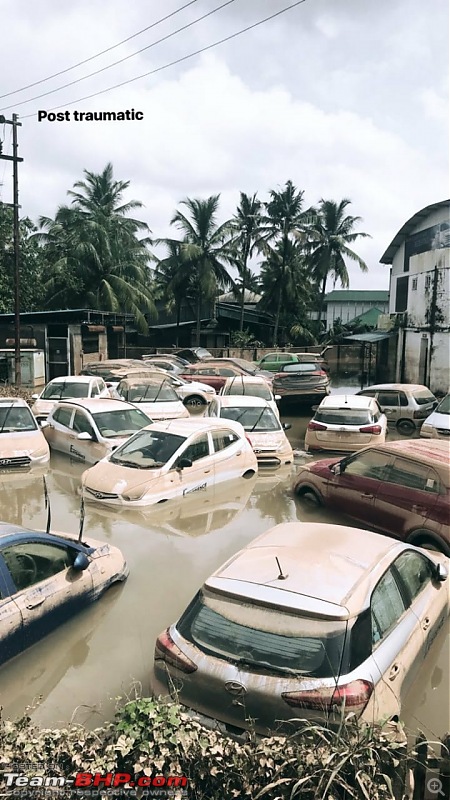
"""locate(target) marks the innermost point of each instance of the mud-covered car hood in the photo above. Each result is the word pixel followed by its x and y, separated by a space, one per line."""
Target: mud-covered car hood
pixel 112 478
pixel 23 443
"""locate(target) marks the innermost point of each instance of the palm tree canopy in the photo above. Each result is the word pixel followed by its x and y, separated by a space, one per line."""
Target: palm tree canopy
pixel 330 234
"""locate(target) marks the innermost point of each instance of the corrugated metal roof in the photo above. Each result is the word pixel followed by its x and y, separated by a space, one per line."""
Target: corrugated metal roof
pixel 407 228
pixel 370 337
pixel 356 296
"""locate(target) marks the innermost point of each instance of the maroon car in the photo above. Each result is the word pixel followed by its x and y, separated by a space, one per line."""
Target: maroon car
pixel 399 488
pixel 215 372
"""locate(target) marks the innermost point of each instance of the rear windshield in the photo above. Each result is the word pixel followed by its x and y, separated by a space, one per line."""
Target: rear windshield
pixel 444 405
pixel 16 419
pixel 346 416
pixel 121 422
pixel 253 389
pixel 422 397
pixel 253 419
pixel 148 393
pixel 147 450
pixel 54 391
pixel 300 367
pixel 264 637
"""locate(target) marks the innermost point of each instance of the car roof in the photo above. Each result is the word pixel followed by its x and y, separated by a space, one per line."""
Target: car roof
pixel 432 452
pixel 186 427
pixel 13 401
pixel 398 386
pixel 74 379
pixel 94 404
pixel 241 401
pixel 146 379
pixel 329 570
pixel 239 379
pixel 342 401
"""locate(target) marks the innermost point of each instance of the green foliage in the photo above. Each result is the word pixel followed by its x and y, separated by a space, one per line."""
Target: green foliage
pixel 153 737
pixel 30 264
pixel 244 339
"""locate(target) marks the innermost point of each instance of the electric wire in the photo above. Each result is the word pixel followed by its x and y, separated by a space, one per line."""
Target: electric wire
pixel 176 61
pixel 121 60
pixel 101 53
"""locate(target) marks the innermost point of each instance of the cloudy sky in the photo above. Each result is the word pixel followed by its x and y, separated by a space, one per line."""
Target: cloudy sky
pixel 347 98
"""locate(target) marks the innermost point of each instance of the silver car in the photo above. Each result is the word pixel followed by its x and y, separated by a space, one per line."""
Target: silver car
pixel 406 405
pixel 308 621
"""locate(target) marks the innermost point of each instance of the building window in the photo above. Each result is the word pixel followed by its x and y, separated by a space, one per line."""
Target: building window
pixel 401 299
pixel 89 340
pixel 414 284
pixel 427 281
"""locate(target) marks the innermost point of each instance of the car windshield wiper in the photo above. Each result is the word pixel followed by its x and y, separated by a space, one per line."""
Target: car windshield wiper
pixel 6 417
pixel 159 391
pixel 248 662
pixel 257 421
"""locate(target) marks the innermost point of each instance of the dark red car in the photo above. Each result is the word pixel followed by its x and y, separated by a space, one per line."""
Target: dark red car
pixel 215 372
pixel 398 488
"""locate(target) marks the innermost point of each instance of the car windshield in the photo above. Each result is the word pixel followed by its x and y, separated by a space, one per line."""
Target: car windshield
pixel 58 389
pixel 147 449
pixel 16 418
pixel 243 632
pixel 120 422
pixel 444 405
pixel 247 365
pixel 344 416
pixel 148 392
pixel 300 367
pixel 253 389
pixel 422 397
pixel 253 419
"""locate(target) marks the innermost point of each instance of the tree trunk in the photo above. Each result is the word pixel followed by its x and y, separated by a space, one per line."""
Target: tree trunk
pixel 177 335
pixel 322 297
pixel 241 319
pixel 199 312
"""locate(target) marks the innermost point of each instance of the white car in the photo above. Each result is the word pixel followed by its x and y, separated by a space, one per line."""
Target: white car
pixel 170 459
pixel 155 397
pixel 253 386
pixel 89 430
pixel 437 425
pixel 22 444
pixel 345 423
pixel 262 427
pixel 67 387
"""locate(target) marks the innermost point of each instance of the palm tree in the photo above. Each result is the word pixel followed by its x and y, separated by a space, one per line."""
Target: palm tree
pixel 203 250
pixel 284 223
pixel 330 234
pixel 247 225
pixel 173 280
pixel 93 252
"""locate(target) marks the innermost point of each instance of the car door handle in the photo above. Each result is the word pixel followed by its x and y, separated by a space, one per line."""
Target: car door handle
pixel 35 601
pixel 369 495
pixel 394 671
pixel 426 623
pixel 207 471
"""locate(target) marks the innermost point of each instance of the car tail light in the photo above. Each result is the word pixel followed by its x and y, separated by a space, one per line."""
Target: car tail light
pixel 167 650
pixel 316 426
pixel 371 429
pixel 421 413
pixel 354 696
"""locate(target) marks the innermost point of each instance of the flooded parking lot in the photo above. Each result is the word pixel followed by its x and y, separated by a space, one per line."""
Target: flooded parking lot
pixel 105 652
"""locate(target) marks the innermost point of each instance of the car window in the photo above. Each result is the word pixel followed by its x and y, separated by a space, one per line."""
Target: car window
pixel 370 464
pixel 59 389
pixel 227 372
pixel 212 409
pixel 223 439
pixel 386 606
pixel 343 416
pixel 196 450
pixel 120 422
pixel 368 393
pixel 81 423
pixel 95 390
pixel 63 416
pixel 206 371
pixel 32 562
pixel 423 397
pixel 388 399
pixel 403 399
pixel 301 366
pixel 16 418
pixel 415 572
pixel 413 475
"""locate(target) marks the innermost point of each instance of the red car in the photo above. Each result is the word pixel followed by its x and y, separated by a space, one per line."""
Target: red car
pixel 215 372
pixel 399 488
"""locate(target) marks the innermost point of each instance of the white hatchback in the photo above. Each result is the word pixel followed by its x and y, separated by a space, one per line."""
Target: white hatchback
pixel 89 430
pixel 437 425
pixel 345 423
pixel 170 459
pixel 155 397
pixel 69 386
pixel 251 386
pixel 22 444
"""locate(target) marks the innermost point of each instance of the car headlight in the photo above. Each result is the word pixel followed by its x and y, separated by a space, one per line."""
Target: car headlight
pixel 136 494
pixel 427 427
pixel 43 451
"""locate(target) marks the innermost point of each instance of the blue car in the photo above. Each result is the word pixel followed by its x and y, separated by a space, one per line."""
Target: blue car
pixel 46 578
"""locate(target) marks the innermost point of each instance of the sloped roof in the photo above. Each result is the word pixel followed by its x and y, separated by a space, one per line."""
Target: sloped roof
pixel 350 296
pixel 408 227
pixel 369 317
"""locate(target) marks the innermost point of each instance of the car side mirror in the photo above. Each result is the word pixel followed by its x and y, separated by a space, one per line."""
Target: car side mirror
pixel 314 408
pixel 183 463
pixel 81 562
pixel 85 436
pixel 441 573
pixel 44 424
pixel 278 397
pixel 35 397
pixel 336 469
pixel 286 426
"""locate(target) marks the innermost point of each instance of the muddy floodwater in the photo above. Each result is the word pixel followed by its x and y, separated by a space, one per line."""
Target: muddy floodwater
pixel 79 670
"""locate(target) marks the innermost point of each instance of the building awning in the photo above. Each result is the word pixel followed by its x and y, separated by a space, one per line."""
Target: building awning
pixel 370 337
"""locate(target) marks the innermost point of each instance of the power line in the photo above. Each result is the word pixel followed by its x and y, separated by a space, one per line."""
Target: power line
pixel 101 53
pixel 177 61
pixel 120 61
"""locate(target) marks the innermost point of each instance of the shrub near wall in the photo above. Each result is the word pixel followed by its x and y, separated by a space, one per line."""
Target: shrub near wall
pixel 151 737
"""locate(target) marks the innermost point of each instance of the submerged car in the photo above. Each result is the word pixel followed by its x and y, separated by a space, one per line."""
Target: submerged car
pixel 194 394
pixel 252 386
pixel 406 405
pixel 273 361
pixel 88 430
pixel 346 423
pixel 303 624
pixel 68 387
pixel 22 444
pixel 156 398
pixel 47 577
pixel 215 372
pixel 437 425
pixel 302 382
pixel 262 427
pixel 399 488
pixel 170 459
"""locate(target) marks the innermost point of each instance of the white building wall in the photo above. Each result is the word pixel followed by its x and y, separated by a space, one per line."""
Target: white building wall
pixel 346 311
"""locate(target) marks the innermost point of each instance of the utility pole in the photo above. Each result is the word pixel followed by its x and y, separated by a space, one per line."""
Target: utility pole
pixel 16 236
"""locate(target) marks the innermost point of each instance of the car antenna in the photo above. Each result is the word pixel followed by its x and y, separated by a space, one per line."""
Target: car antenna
pixel 280 577
pixel 80 533
pixel 47 505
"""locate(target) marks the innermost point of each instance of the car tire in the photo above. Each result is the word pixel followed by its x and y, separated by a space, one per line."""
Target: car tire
pixel 429 541
pixel 194 401
pixel 310 498
pixel 405 427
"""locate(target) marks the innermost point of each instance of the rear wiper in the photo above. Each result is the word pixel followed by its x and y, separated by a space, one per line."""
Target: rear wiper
pixel 248 662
